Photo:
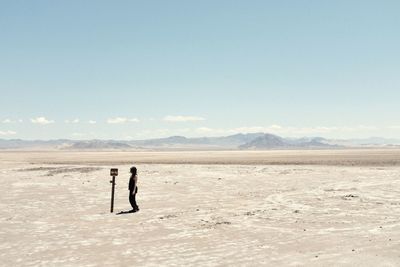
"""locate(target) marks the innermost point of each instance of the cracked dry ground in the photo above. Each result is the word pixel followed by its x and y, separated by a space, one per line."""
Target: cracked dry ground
pixel 203 215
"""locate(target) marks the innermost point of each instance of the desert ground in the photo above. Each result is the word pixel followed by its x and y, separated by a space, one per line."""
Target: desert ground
pixel 215 208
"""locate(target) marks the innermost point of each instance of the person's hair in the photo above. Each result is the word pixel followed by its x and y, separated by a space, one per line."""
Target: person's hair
pixel 133 170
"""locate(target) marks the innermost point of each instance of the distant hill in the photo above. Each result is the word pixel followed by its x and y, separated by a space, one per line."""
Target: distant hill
pixel 255 141
pixel 266 141
pixel 270 141
pixel 231 141
pixel 33 144
pixel 368 142
pixel 97 145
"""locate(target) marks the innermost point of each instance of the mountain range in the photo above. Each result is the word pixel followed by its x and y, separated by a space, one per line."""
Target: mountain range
pixel 250 141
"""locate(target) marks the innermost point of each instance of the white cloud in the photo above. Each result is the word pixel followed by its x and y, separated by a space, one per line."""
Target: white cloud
pixel 182 118
pixel 7 133
pixel 395 127
pixel 41 120
pixel 204 129
pixel 285 130
pixel 274 126
pixel 212 131
pixel 119 120
pixel 72 121
pixel 277 129
pixel 11 121
pixel 92 122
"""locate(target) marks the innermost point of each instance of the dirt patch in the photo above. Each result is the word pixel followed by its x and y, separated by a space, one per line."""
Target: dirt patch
pixel 59 170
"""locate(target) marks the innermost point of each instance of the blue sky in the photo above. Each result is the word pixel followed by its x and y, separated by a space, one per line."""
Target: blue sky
pixel 141 69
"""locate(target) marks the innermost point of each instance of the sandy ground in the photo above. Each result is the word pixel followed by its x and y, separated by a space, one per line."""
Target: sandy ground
pixel 55 211
pixel 340 157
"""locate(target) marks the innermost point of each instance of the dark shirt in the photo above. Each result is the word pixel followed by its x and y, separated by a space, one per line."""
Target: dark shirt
pixel 131 183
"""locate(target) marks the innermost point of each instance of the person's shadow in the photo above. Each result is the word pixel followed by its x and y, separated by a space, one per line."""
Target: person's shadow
pixel 125 212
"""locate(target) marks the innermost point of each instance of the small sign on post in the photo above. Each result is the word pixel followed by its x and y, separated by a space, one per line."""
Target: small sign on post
pixel 113 173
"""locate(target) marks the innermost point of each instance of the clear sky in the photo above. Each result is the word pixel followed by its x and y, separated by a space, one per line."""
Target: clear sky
pixel 141 69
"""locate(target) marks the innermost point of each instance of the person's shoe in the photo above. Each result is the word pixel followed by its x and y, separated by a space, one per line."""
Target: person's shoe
pixel 132 210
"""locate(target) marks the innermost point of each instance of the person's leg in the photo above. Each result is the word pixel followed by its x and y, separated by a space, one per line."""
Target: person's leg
pixel 136 208
pixel 132 200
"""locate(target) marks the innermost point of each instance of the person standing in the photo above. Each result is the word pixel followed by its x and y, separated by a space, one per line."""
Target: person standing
pixel 133 190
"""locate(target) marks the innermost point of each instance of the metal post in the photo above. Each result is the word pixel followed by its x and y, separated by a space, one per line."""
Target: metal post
pixel 112 193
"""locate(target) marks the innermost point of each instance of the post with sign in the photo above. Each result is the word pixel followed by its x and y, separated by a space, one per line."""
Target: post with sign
pixel 113 173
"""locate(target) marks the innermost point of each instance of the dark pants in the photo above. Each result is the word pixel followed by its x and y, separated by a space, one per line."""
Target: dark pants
pixel 132 200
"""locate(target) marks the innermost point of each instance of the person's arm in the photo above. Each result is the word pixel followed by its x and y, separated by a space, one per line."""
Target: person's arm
pixel 131 181
pixel 134 184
